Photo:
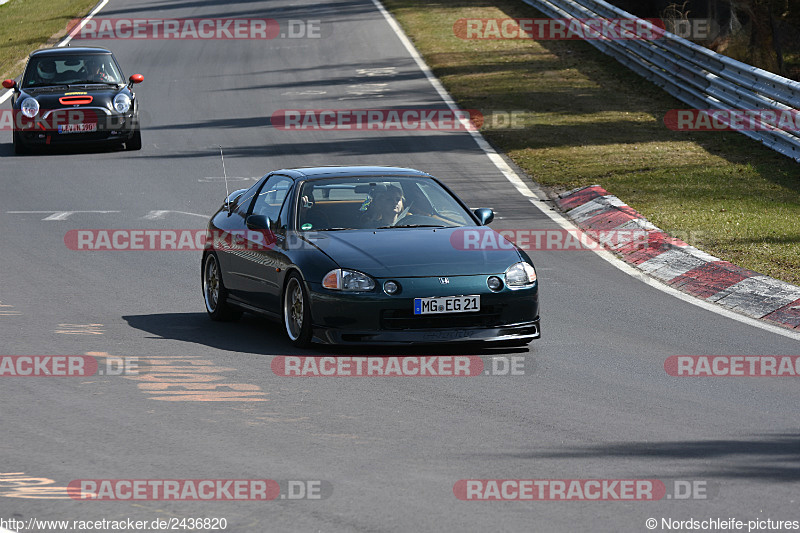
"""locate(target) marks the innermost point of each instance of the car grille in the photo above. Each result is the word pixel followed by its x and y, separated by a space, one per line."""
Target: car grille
pixel 398 319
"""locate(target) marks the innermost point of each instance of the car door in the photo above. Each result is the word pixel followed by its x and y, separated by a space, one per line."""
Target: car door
pixel 254 260
pixel 228 223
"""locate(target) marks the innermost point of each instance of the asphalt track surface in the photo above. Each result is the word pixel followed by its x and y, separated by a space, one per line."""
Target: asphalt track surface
pixel 594 402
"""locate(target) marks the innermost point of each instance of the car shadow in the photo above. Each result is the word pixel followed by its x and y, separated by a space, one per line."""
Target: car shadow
pixel 260 336
pixel 7 150
pixel 768 457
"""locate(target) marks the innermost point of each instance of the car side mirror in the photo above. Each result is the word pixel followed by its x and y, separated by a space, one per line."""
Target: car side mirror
pixel 136 78
pixel 258 222
pixel 10 84
pixel 485 215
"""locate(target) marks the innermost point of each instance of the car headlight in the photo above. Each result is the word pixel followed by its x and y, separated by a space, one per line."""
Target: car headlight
pixel 520 274
pixel 122 103
pixel 29 107
pixel 347 280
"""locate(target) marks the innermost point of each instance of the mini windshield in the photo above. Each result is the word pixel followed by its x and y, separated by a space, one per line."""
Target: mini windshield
pixel 71 70
pixel 384 202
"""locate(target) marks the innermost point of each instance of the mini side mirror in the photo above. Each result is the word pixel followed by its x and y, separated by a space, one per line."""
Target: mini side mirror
pixel 9 84
pixel 136 78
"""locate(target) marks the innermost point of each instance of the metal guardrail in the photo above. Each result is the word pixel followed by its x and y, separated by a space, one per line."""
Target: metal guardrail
pixel 691 73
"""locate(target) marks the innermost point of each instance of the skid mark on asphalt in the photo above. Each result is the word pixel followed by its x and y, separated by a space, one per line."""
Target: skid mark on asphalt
pixel 19 485
pixel 189 379
pixel 80 329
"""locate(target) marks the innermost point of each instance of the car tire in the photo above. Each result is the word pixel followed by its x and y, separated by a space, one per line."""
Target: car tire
pixel 135 143
pixel 215 294
pixel 296 311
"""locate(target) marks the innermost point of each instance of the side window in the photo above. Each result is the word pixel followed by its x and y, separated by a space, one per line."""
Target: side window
pixel 244 201
pixel 270 197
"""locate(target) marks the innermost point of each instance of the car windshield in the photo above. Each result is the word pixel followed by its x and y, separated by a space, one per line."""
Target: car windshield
pixel 377 202
pixel 71 70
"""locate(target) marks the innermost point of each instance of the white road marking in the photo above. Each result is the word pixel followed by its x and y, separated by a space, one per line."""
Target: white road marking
pixel 361 90
pixel 378 71
pixel 88 17
pixel 66 39
pixel 80 329
pixel 304 93
pixel 536 196
pixel 57 215
pixel 215 179
pixel 160 215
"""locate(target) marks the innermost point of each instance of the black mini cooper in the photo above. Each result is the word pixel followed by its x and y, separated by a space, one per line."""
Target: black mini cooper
pixel 74 95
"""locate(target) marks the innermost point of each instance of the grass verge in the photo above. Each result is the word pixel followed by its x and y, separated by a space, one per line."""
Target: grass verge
pixel 26 25
pixel 586 119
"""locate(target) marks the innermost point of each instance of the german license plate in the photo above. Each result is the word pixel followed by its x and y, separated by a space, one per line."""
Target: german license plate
pixel 77 128
pixel 447 304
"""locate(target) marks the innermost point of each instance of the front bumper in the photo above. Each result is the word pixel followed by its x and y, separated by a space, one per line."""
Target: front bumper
pixel 110 130
pixel 378 318
pixel 513 332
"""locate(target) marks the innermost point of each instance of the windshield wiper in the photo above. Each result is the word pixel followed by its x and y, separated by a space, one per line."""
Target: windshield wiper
pixel 59 86
pixel 331 229
pixel 413 226
pixel 89 82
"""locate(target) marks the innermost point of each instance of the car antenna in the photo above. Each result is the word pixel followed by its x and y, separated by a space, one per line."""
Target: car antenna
pixel 224 175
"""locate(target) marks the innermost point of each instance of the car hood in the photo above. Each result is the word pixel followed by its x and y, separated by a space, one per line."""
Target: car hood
pixel 410 252
pixel 50 98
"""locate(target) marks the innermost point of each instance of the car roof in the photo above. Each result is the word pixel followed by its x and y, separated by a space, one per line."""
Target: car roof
pixel 351 171
pixel 65 51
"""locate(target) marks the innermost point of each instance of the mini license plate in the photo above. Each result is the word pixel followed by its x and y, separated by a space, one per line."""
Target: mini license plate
pixel 447 304
pixel 77 128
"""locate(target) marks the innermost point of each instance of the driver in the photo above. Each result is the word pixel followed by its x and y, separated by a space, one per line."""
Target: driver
pixel 46 69
pixel 97 71
pixel 386 208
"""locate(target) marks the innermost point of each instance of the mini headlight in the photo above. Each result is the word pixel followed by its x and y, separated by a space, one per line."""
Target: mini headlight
pixel 29 107
pixel 122 103
pixel 520 274
pixel 347 280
